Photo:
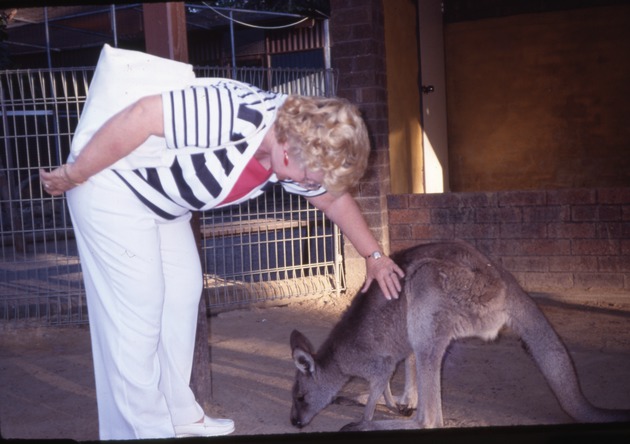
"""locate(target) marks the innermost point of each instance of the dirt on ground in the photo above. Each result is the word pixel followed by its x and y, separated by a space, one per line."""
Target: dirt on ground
pixel 47 385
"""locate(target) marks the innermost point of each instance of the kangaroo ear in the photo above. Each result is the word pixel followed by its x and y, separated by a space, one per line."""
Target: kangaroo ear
pixel 303 361
pixel 302 352
pixel 298 340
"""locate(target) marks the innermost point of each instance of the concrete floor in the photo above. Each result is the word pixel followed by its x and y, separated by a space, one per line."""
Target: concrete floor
pixel 47 386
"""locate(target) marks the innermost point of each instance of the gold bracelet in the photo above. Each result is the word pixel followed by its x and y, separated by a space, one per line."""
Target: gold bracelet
pixel 65 174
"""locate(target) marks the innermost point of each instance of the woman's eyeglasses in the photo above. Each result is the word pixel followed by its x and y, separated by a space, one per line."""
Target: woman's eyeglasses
pixel 309 185
pixel 306 183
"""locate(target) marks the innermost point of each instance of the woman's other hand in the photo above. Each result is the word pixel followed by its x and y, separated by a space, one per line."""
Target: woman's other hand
pixel 57 181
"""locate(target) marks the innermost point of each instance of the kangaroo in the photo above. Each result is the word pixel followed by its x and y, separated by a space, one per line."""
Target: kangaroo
pixel 450 291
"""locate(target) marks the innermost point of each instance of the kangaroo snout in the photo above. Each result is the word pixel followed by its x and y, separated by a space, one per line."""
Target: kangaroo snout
pixel 296 420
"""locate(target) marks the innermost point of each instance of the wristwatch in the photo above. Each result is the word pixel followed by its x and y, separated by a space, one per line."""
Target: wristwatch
pixel 376 255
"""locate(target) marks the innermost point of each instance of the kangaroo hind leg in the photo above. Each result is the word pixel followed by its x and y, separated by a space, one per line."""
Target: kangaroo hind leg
pixel 429 356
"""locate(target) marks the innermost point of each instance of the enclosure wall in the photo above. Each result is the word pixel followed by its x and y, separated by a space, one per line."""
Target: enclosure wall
pixel 572 239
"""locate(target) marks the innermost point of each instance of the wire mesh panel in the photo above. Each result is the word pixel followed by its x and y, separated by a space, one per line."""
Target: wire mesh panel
pixel 40 275
pixel 270 248
pixel 276 246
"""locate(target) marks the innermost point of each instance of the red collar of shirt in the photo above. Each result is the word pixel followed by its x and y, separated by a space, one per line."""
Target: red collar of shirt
pixel 253 175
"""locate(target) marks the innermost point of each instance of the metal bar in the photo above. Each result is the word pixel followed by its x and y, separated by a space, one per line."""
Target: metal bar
pixel 114 25
pixel 232 46
pixel 47 31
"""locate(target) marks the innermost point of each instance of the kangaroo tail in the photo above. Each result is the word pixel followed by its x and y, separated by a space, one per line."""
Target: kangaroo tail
pixel 554 360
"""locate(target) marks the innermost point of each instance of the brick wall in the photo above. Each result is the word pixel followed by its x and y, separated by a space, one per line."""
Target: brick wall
pixel 539 101
pixel 571 239
pixel 358 52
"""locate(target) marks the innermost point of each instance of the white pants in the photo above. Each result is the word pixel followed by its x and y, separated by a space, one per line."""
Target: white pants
pixel 143 283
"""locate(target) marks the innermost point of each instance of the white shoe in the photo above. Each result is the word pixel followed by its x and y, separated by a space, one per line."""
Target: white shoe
pixel 209 427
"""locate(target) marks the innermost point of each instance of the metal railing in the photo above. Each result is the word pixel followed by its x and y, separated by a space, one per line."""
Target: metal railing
pixel 273 247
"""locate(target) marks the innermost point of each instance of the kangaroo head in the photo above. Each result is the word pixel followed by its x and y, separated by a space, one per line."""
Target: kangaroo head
pixel 314 388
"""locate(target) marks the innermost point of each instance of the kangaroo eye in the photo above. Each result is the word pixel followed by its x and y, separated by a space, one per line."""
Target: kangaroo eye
pixel 301 398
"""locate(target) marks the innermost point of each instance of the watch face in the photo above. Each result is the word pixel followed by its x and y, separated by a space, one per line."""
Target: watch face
pixel 376 255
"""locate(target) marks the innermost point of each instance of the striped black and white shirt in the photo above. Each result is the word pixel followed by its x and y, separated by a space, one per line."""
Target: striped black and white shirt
pixel 212 133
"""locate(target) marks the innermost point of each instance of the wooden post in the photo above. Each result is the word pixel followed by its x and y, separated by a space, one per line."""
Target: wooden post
pixel 165 30
pixel 165 36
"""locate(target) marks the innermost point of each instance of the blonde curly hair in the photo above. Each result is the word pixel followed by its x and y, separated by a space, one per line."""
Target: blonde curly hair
pixel 325 134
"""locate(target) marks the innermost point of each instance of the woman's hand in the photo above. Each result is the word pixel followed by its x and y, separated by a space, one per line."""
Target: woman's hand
pixel 57 181
pixel 386 273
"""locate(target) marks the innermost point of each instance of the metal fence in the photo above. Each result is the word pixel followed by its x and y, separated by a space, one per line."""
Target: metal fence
pixel 273 247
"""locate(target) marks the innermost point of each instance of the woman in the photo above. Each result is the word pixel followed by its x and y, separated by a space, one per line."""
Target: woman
pixel 226 142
